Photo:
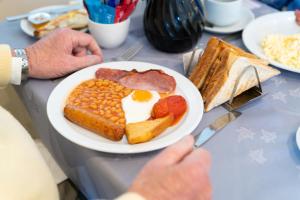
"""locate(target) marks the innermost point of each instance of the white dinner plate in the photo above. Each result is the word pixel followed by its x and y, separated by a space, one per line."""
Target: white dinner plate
pixel 26 26
pixel 83 137
pixel 275 23
pixel 246 18
pixel 298 137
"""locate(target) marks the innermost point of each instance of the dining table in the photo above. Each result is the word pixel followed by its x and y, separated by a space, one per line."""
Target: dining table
pixel 254 157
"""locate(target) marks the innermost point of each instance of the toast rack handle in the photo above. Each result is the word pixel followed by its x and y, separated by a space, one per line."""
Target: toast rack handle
pixel 250 67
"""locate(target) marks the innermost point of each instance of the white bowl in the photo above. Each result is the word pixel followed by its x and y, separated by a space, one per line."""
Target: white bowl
pixel 109 35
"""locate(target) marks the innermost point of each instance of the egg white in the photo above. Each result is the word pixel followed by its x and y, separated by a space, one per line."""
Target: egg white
pixel 136 111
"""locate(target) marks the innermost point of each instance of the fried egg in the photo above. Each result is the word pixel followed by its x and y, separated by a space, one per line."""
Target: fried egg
pixel 138 105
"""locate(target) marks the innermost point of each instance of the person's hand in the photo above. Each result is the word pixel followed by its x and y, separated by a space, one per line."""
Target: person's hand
pixel 297 14
pixel 176 173
pixel 62 52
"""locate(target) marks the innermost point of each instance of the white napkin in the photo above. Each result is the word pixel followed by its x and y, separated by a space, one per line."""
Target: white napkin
pixel 187 57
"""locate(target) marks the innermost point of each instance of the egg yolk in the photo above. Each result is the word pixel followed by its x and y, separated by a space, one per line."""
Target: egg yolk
pixel 141 95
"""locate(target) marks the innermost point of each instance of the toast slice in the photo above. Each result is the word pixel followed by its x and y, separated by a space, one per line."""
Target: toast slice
pixel 77 19
pixel 144 131
pixel 202 68
pixel 218 69
pixel 214 47
pixel 220 85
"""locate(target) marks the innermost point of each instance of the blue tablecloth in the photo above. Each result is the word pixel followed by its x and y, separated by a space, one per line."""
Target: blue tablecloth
pixel 255 157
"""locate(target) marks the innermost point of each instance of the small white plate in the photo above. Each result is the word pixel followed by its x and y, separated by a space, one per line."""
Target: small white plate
pixel 298 137
pixel 275 23
pixel 83 137
pixel 26 26
pixel 246 18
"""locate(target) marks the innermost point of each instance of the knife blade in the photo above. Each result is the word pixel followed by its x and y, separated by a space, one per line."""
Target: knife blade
pixel 50 11
pixel 215 127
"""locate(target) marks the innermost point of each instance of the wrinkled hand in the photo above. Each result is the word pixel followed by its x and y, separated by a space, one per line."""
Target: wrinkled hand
pixel 62 52
pixel 297 14
pixel 176 173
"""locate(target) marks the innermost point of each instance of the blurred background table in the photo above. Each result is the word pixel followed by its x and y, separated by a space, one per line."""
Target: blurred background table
pixel 255 157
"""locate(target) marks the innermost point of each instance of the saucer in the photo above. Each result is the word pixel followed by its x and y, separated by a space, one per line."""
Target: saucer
pixel 246 18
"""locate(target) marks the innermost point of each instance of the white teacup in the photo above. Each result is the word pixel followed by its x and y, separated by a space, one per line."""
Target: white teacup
pixel 222 12
pixel 109 35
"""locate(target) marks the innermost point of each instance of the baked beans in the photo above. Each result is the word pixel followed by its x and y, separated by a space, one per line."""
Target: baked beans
pixel 101 97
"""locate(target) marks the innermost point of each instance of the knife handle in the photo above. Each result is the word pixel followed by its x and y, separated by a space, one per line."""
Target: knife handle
pixel 216 126
pixel 17 17
pixel 205 135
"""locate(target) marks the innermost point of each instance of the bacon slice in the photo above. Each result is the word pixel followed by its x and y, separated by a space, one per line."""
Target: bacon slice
pixel 155 80
pixel 112 74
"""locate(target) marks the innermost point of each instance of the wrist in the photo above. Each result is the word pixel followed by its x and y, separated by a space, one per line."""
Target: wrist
pixel 13 53
pixel 31 60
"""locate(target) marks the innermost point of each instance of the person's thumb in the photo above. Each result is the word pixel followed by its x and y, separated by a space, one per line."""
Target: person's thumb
pixel 174 153
pixel 85 61
pixel 199 157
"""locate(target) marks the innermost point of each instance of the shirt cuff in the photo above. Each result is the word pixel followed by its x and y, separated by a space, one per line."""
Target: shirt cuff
pixel 5 65
pixel 16 71
pixel 130 196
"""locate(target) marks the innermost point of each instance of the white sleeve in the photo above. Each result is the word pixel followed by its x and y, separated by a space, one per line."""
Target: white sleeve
pixel 10 67
pixel 16 71
pixel 130 196
pixel 5 65
pixel 23 172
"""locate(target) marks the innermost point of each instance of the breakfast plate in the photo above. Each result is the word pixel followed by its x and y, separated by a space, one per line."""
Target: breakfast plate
pixel 26 26
pixel 275 23
pixel 83 137
pixel 246 18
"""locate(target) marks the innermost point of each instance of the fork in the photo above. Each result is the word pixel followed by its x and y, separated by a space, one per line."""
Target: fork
pixel 129 53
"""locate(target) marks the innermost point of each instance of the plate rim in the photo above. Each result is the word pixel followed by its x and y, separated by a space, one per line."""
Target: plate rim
pixel 250 13
pixel 247 41
pixel 130 148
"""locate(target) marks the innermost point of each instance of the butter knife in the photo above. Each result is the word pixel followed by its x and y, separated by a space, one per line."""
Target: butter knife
pixel 215 127
pixel 50 11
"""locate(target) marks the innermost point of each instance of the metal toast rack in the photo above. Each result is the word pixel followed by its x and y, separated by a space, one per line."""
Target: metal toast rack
pixel 231 106
pixel 246 97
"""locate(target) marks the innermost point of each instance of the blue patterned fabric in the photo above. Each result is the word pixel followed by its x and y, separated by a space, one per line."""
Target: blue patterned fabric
pixel 280 4
pixel 293 5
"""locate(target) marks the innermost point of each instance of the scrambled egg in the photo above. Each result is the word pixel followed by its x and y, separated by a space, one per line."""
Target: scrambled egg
pixel 284 49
